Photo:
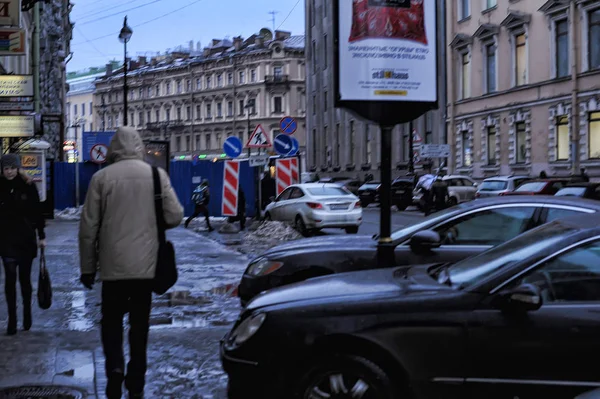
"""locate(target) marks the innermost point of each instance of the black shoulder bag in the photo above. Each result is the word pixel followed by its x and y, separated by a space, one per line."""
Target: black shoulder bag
pixel 44 292
pixel 166 268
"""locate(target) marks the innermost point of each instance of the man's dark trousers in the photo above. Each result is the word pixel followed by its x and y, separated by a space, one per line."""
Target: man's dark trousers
pixel 118 298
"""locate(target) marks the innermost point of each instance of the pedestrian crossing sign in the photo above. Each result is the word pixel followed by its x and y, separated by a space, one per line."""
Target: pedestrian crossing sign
pixel 259 139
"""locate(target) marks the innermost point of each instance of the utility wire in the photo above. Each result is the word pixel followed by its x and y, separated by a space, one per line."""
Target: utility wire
pixel 286 18
pixel 143 23
pixel 93 19
pixel 90 42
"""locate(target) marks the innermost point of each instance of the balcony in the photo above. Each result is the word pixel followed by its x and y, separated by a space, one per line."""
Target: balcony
pixel 274 80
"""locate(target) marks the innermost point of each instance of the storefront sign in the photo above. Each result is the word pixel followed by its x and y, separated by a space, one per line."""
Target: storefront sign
pixel 16 86
pixel 17 126
pixel 12 42
pixel 34 165
pixel 387 50
pixel 10 13
pixel 16 106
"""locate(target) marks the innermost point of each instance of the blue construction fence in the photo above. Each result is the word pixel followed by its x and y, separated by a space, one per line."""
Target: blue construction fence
pixel 185 176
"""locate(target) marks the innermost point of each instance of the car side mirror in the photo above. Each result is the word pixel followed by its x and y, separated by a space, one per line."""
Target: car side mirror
pixel 475 185
pixel 525 298
pixel 425 241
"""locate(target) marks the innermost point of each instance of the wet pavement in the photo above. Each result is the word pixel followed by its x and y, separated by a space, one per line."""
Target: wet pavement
pixel 64 347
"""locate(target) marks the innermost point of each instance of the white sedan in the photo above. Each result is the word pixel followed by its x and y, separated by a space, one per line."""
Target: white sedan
pixel 315 206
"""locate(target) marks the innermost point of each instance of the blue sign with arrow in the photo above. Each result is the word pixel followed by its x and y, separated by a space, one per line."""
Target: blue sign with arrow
pixel 295 146
pixel 233 147
pixel 283 144
pixel 288 125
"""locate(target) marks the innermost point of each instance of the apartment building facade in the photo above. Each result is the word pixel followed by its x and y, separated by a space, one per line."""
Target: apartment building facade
pixel 524 92
pixel 338 142
pixel 197 102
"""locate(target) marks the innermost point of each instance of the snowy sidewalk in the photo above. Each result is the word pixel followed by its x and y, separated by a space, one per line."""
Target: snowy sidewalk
pixel 63 348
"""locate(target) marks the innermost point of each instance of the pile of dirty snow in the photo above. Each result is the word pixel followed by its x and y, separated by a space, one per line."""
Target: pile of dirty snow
pixel 272 232
pixel 68 214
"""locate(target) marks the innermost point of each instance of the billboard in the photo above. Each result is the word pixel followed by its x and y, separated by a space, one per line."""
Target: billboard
pixel 16 86
pixel 17 126
pixel 157 154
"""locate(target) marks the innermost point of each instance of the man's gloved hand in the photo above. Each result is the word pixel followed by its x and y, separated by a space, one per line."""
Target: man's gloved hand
pixel 88 280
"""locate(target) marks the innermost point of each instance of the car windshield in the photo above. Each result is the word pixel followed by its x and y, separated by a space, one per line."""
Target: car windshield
pixel 373 184
pixel 571 192
pixel 533 187
pixel 493 185
pixel 431 219
pixel 327 191
pixel 473 270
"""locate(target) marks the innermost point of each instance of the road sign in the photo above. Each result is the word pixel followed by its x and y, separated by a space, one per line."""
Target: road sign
pixel 259 139
pixel 231 183
pixel 295 146
pixel 417 139
pixel 435 151
pixel 233 147
pixel 283 144
pixel 258 160
pixel 288 125
pixel 98 153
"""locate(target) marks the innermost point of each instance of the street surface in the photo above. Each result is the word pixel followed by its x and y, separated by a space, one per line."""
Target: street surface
pixel 371 223
pixel 64 345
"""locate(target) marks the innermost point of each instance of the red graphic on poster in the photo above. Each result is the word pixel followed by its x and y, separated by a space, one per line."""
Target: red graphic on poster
pixel 388 22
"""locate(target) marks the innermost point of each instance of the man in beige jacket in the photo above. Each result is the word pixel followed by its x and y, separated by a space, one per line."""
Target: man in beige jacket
pixel 118 237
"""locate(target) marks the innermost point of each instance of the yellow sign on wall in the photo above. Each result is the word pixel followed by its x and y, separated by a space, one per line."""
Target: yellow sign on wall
pixel 17 126
pixel 29 161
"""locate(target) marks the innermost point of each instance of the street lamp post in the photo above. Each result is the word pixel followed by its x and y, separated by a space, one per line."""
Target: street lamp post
pixel 124 37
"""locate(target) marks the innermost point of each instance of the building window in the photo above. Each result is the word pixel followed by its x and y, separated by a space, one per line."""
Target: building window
pixel 208 142
pixel 178 144
pixel 91 109
pixel 198 112
pixel 82 109
pixel 324 51
pixel 198 84
pixel 429 128
pixel 464 9
pixel 562 48
pixel 157 114
pixel 219 110
pixel 219 80
pixel 314 147
pixel 314 56
pixel 520 59
pixel 188 113
pixel 337 144
pixel 242 77
pixel 157 90
pixel 188 85
pixel 141 93
pixel 219 140
pixel 197 145
pixel 491 145
pixel 467 156
pixel 490 56
pixel 110 121
pixel 487 4
pixel 149 116
pixel 168 114
pixel 327 147
pixel 75 109
pixel 241 107
pixel 352 141
pixel 277 104
pixel 594 135
pixel 208 82
pixel 179 89
pixel 465 76
pixel 241 135
pixel 168 88
pixel 140 118
pixel 230 78
pixel 562 138
pixel 179 113
pixel 521 143
pixel 253 75
pixel 91 127
pixel 188 143
pixel 368 149
pixel 594 38
pixel 230 108
pixel 208 110
pixel 131 119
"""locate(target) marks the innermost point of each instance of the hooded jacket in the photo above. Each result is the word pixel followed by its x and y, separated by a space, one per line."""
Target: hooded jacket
pixel 118 229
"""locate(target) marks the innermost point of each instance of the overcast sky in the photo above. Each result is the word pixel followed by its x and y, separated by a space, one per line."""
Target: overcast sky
pixel 159 25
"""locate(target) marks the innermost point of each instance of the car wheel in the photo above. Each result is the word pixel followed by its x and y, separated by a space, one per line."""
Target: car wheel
pixel 346 376
pixel 365 204
pixel 401 206
pixel 301 227
pixel 268 216
pixel 351 230
pixel 452 201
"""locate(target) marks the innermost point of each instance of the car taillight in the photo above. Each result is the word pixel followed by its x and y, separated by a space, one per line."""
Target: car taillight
pixel 477 195
pixel 314 205
pixel 357 205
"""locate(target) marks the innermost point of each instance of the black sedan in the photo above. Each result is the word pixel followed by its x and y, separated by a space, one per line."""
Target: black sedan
pixel 518 321
pixel 465 230
pixel 368 193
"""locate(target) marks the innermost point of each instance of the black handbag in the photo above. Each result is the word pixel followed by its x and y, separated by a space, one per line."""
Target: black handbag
pixel 166 268
pixel 44 292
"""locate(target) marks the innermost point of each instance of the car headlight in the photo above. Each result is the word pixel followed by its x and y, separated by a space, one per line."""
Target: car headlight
pixel 247 328
pixel 262 267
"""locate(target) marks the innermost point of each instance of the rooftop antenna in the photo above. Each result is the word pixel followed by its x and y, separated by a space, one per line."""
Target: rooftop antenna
pixel 273 13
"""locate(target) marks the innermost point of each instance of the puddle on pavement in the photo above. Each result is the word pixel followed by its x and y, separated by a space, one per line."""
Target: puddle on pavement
pixel 78 318
pixel 179 322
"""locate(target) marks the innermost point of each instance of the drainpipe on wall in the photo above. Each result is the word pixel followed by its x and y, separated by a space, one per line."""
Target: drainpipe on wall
pixel 574 103
pixel 36 57
pixel 450 90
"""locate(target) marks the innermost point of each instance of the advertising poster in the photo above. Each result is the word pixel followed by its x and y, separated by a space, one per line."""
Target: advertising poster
pixel 33 164
pixel 387 50
pixel 17 126
pixel 157 154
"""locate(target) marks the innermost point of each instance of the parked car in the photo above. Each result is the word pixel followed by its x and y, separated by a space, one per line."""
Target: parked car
pixel 517 321
pixel 539 187
pixel 466 230
pixel 402 192
pixel 369 193
pixel 460 189
pixel 497 185
pixel 582 190
pixel 314 206
pixel 348 183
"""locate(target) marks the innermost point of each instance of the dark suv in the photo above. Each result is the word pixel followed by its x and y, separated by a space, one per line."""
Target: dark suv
pixel 402 192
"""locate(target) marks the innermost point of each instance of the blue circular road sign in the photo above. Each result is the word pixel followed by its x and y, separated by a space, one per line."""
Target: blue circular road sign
pixel 283 144
pixel 233 147
pixel 288 125
pixel 295 146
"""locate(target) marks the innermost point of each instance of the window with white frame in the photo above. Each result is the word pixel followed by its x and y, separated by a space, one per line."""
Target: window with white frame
pixel 242 77
pixel 561 47
pixel 198 112
pixel 520 59
pixel 277 104
pixel 465 75
pixel 208 142
pixel 491 145
pixel 230 78
pixel 594 135
pixel 208 110
pixel 188 113
pixel 562 138
pixel 179 89
pixel 521 144
pixel 253 75
pixel 168 88
pixel 219 110
pixel 230 108
pixel 179 113
pixel 490 67
pixel 594 38
pixel 464 9
pixel 487 4
pixel 198 84
pixel 208 82
pixel 219 80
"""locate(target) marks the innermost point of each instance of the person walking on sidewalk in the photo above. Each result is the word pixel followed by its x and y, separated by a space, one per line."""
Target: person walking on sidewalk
pixel 21 217
pixel 201 198
pixel 118 235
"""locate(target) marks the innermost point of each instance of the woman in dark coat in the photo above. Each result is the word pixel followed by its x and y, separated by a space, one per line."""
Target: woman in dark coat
pixel 21 216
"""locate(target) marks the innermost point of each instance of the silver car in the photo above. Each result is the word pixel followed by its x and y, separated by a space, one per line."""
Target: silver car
pixel 497 185
pixel 315 206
